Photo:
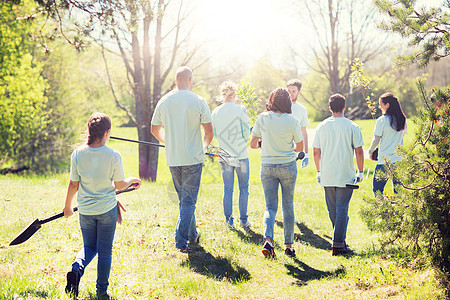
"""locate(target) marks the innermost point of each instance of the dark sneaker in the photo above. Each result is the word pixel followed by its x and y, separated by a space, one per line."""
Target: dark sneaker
pixel 185 249
pixel 246 225
pixel 106 296
pixel 230 225
pixel 268 251
pixel 290 252
pixel 73 281
pixel 344 251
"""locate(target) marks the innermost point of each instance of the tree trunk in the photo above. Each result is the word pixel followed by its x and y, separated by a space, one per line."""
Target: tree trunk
pixel 148 155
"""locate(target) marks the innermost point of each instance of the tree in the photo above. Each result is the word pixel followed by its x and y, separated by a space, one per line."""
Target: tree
pixel 148 36
pixel 428 29
pixel 343 33
pixel 23 105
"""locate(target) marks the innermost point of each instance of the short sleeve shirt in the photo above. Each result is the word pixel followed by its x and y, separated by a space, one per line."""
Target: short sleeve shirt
pixel 231 128
pixel 182 112
pixel 96 169
pixel 390 140
pixel 337 138
pixel 279 132
pixel 299 111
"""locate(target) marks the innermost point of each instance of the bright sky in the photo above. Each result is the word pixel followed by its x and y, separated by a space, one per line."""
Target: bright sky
pixel 248 30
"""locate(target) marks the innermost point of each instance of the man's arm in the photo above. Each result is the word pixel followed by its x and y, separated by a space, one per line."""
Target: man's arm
pixel 359 152
pixel 254 142
pixel 158 132
pixel 305 139
pixel 209 134
pixel 298 147
pixel 317 157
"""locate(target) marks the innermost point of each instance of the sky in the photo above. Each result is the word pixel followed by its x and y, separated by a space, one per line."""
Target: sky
pixel 245 31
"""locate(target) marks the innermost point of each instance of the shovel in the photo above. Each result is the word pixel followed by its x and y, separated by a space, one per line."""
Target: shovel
pixel 36 224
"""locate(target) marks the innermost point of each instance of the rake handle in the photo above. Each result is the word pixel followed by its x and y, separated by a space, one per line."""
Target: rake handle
pixel 61 214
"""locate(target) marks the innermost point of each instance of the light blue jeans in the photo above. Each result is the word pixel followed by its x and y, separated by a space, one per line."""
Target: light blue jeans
pixel 272 176
pixel 98 235
pixel 338 199
pixel 242 173
pixel 379 184
pixel 186 180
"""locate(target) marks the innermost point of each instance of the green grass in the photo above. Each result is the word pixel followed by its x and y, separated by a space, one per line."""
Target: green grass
pixel 226 264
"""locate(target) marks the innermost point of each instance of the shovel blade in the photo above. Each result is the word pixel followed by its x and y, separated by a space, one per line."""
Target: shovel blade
pixel 27 232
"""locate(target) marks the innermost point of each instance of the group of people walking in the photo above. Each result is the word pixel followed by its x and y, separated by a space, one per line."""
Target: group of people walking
pixel 280 133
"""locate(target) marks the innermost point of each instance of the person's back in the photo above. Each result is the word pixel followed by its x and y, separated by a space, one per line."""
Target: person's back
pixel 390 140
pixel 336 137
pixel 181 112
pixel 230 122
pixel 96 169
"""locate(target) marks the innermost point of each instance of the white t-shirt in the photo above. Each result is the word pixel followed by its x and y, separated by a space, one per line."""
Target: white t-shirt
pixel 231 128
pixel 299 111
pixel 96 169
pixel 279 132
pixel 182 112
pixel 337 138
pixel 390 139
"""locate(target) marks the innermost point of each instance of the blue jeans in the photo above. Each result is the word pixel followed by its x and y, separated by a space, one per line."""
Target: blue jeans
pixel 98 235
pixel 338 199
pixel 243 173
pixel 379 184
pixel 186 180
pixel 272 176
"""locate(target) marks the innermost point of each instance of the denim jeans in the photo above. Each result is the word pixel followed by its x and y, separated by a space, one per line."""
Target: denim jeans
pixel 98 235
pixel 379 184
pixel 272 176
pixel 338 199
pixel 186 180
pixel 243 173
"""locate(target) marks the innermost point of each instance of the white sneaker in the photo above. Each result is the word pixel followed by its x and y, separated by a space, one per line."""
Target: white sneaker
pixel 247 224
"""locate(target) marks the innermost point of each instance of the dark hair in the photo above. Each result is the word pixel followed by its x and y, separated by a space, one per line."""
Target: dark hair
pixel 398 119
pixel 279 100
pixel 295 82
pixel 98 124
pixel 337 103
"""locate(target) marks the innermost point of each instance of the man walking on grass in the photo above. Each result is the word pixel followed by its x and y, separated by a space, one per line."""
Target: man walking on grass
pixel 294 87
pixel 335 141
pixel 182 113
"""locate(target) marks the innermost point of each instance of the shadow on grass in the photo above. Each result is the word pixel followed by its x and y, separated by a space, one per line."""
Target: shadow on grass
pixel 250 236
pixel 308 236
pixel 217 268
pixel 34 293
pixel 304 273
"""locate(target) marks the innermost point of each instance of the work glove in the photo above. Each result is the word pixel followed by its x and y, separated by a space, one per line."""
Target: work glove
pixel 318 176
pixel 305 161
pixel 360 177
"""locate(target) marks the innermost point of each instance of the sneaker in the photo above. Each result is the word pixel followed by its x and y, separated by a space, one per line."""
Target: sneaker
pixel 73 281
pixel 230 225
pixel 341 251
pixel 247 224
pixel 185 249
pixel 267 250
pixel 106 296
pixel 290 252
pixel 196 240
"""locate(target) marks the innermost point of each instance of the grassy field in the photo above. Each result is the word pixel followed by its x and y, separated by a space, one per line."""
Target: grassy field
pixel 226 264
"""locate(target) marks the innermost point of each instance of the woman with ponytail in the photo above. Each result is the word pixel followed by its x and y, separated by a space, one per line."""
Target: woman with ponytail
pixel 96 171
pixel 388 135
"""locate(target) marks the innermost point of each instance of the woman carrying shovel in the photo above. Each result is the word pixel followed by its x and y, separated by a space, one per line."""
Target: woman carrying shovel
pixel 94 169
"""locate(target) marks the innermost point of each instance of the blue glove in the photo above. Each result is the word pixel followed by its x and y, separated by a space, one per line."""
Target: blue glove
pixel 305 161
pixel 318 177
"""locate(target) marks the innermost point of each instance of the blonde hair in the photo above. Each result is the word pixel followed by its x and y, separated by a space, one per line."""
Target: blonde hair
pixel 227 89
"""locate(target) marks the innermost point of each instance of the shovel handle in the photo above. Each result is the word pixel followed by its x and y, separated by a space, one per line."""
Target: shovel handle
pixel 61 214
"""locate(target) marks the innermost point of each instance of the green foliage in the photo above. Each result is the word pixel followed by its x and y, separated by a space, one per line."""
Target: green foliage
pixel 427 29
pixel 360 80
pixel 420 213
pixel 247 95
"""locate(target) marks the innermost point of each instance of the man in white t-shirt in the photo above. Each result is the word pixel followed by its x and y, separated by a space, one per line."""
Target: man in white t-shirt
pixel 336 139
pixel 183 113
pixel 294 87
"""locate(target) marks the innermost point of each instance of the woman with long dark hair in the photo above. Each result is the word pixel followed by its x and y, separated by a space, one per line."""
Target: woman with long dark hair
pixel 280 135
pixel 388 135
